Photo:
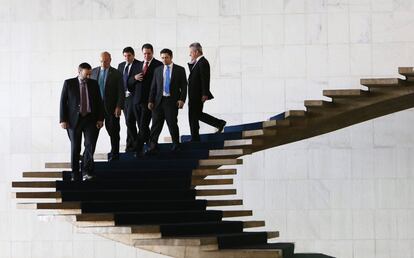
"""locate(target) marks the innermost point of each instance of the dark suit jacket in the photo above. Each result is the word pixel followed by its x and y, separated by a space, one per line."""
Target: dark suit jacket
pixel 142 88
pixel 131 80
pixel 70 101
pixel 199 80
pixel 178 84
pixel 114 94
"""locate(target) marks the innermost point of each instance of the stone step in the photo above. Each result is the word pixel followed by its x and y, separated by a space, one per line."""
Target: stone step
pixel 383 82
pixel 348 93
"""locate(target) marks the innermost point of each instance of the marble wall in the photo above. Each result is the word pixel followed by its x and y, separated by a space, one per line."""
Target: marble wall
pixel 348 193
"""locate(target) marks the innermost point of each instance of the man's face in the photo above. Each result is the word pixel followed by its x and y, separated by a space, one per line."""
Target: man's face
pixel 105 61
pixel 193 54
pixel 147 53
pixel 84 73
pixel 129 57
pixel 166 59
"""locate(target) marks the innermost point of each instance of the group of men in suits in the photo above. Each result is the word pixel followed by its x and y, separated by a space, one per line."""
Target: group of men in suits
pixel 145 90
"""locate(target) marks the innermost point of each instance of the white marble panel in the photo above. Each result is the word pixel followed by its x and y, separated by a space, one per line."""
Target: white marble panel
pixel 317 61
pixel 230 61
pixel 338 60
pixel 360 27
pixel 251 33
pixel 272 29
pixel 21 249
pixel 295 29
pixel 294 6
pixel 230 7
pixel 294 59
pixel 230 31
pixel 364 249
pixel 338 27
pixel 361 60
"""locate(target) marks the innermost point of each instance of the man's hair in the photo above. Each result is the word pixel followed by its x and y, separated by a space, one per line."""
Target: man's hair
pixel 147 46
pixel 166 51
pixel 85 66
pixel 197 47
pixel 106 53
pixel 129 50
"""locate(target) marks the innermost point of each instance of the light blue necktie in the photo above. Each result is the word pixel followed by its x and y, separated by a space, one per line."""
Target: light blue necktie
pixel 167 80
pixel 101 82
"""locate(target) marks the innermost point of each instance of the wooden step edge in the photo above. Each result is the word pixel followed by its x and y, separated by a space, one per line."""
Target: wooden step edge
pixel 214 172
pixel 254 224
pixel 216 203
pixel 45 174
pixel 344 93
pixel 259 133
pixel 34 184
pixel 382 82
pixel 276 123
pixel 226 181
pixel 272 234
pixel 177 241
pixel 62 165
pixel 215 192
pixel 229 152
pixel 295 114
pixel 37 195
pixel 408 72
pixel 50 206
pixel 95 217
pixel 219 162
pixel 237 213
pixel 317 103
pixel 243 143
pixel 145 229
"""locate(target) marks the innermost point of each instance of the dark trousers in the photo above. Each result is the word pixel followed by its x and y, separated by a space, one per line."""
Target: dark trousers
pixel 86 126
pixel 143 116
pixel 112 127
pixel 167 110
pixel 196 114
pixel 131 124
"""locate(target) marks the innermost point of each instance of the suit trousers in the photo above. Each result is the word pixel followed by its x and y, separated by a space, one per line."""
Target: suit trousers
pixel 167 110
pixel 131 124
pixel 143 116
pixel 113 128
pixel 196 114
pixel 86 126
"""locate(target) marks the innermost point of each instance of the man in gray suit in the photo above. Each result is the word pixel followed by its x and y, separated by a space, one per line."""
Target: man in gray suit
pixel 111 89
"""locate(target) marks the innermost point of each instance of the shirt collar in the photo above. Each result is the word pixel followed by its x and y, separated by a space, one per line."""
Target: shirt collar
pixel 198 58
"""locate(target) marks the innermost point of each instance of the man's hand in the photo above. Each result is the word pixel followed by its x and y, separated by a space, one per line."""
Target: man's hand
pixel 139 77
pixel 150 105
pixel 64 125
pixel 180 104
pixel 117 112
pixel 204 98
pixel 99 124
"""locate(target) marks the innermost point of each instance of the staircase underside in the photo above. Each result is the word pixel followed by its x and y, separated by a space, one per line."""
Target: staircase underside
pixel 161 203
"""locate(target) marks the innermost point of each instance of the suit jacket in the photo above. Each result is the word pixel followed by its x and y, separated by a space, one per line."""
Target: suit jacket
pixel 114 95
pixel 178 84
pixel 199 80
pixel 70 101
pixel 142 88
pixel 131 80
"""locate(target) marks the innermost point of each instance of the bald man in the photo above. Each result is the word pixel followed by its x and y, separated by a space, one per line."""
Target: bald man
pixel 111 89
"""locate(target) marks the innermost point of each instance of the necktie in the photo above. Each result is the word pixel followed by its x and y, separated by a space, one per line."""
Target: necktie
pixel 126 77
pixel 84 101
pixel 167 80
pixel 101 82
pixel 145 69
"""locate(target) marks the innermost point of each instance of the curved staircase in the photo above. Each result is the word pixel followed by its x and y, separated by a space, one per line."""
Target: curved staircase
pixel 160 203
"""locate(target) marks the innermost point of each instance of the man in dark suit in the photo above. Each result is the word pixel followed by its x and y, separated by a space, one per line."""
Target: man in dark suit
pixel 199 92
pixel 81 112
pixel 143 74
pixel 113 96
pixel 167 95
pixel 125 68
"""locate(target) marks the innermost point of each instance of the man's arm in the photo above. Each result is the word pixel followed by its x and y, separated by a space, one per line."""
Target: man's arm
pixel 63 110
pixel 183 85
pixel 205 77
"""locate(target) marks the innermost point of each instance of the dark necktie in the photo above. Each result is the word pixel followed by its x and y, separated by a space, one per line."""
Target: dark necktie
pixel 145 69
pixel 126 77
pixel 84 101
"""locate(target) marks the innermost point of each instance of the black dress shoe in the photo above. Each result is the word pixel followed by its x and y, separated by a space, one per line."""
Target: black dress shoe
pixel 151 151
pixel 113 156
pixel 88 177
pixel 221 127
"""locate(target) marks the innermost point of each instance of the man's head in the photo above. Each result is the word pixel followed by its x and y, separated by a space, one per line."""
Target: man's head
pixel 195 50
pixel 84 70
pixel 166 56
pixel 129 54
pixel 105 60
pixel 147 52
